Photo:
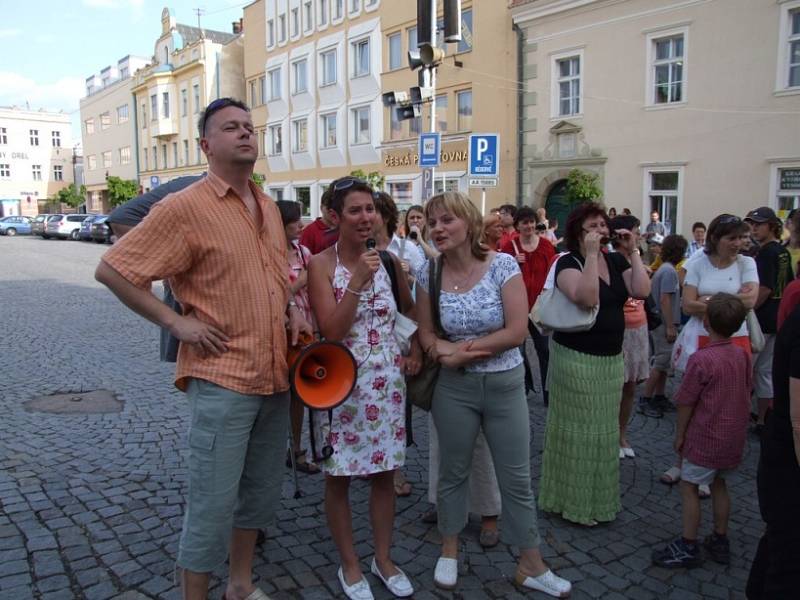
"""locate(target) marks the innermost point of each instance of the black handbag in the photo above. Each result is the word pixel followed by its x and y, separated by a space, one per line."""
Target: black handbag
pixel 653 316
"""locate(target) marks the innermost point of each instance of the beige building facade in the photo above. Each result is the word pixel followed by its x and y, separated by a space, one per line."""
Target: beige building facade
pixel 315 72
pixel 687 107
pixel 108 130
pixel 36 158
pixel 190 68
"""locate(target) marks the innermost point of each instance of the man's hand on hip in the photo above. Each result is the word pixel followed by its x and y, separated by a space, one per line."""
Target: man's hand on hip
pixel 206 339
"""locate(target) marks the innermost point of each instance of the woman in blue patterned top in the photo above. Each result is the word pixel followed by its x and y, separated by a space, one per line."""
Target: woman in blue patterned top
pixel 483 314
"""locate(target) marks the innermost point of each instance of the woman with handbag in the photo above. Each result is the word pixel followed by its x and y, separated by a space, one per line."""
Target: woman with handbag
pixel 580 465
pixel 483 311
pixel 352 298
pixel 719 267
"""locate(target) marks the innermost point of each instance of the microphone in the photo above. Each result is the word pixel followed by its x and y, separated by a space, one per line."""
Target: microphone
pixel 371 243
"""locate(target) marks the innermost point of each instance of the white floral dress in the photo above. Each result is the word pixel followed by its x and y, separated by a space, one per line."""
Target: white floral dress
pixel 368 431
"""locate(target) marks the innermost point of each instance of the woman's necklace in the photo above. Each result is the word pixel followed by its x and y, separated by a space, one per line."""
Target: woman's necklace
pixel 466 279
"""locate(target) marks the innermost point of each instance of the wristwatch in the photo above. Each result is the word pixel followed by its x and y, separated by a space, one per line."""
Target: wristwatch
pixel 291 304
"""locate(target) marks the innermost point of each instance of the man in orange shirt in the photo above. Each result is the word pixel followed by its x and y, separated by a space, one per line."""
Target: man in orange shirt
pixel 221 244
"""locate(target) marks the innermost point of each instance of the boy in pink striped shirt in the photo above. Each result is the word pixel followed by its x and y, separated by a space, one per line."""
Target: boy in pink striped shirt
pixel 713 413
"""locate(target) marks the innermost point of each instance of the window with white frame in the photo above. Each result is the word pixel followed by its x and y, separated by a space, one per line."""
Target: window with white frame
pixel 36 172
pixel 144 157
pixel 165 104
pixel 361 58
pixel 450 185
pixel 295 22
pixel 300 135
pixel 58 173
pixel 411 33
pixel 164 157
pixel 34 136
pixel 88 126
pixel 153 107
pixel 196 93
pixel 355 6
pixel 323 13
pixel 125 155
pixel 371 2
pixel 174 154
pixel 105 121
pixel 663 195
pixel 790 46
pixel 361 125
pixel 395 124
pixel 327 67
pixel 274 77
pixel 667 71
pixel 276 194
pixel 441 112
pixel 5 170
pixel 185 152
pixel 144 115
pixel 566 73
pixel 415 126
pixel 281 28
pixel 395 51
pixel 328 123
pixel 122 114
pixel 3 136
pixel 338 9
pixel 402 192
pixel 106 156
pixel 262 89
pixel 184 102
pixel 56 137
pixel 302 195
pixel 788 189
pixel 270 32
pixel 154 154
pixel 300 76
pixel 464 101
pixel 308 16
pixel 253 96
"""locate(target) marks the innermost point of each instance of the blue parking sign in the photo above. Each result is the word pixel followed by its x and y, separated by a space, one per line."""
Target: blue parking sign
pixel 429 149
pixel 484 149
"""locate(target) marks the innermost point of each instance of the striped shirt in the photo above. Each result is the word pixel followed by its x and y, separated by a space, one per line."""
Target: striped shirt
pixel 223 272
pixel 717 383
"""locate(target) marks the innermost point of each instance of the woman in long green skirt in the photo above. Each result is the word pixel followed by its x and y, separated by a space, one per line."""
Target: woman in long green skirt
pixel 580 470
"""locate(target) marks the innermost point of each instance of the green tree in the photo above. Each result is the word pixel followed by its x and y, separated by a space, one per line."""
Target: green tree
pixel 70 195
pixel 121 190
pixel 258 179
pixel 375 178
pixel 582 187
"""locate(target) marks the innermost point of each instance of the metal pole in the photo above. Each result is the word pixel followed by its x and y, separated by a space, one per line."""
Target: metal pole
pixel 434 19
pixel 483 201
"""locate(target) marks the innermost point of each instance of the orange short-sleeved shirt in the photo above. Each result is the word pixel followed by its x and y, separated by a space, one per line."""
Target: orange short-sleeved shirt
pixel 222 271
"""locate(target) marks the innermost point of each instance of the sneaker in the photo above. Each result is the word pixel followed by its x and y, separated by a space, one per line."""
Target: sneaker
pixel 663 403
pixel 648 408
pixel 718 548
pixel 678 555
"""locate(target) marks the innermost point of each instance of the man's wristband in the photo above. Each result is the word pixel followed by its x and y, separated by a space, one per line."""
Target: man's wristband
pixel 290 304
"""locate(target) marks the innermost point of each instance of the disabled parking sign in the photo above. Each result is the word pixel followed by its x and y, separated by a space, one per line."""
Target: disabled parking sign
pixel 483 155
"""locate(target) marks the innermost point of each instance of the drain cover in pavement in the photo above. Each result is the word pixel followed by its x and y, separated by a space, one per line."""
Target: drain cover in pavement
pixel 97 401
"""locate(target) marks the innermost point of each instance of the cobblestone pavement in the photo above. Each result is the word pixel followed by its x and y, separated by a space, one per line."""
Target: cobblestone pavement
pixel 91 505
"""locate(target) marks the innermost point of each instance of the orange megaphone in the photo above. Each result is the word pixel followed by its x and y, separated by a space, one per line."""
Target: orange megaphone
pixel 322 374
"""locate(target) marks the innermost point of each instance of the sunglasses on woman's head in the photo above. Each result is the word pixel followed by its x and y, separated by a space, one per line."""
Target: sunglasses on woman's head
pixel 728 219
pixel 347 182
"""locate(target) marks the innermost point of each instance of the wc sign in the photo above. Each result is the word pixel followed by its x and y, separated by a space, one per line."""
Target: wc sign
pixel 484 150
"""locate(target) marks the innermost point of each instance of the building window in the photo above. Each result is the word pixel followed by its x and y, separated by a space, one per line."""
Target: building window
pixel 153 107
pixel 91 162
pixel 3 136
pixel 281 29
pixel 105 121
pixel 165 102
pixel 124 72
pixel 88 126
pixel 125 155
pixel 401 192
pixel 56 139
pixel 300 135
pixel 663 193
pixel 276 194
pixel 262 89
pixel 668 75
pixel 144 157
pixel 328 130
pixel 789 71
pixel 299 76
pixel 788 190
pixel 58 173
pixel 328 67
pixel 144 115
pixel 122 114
pixel 295 22
pixel 198 151
pixel 302 195
pixel 464 100
pixel 34 134
pixel 196 94
pixel 185 152
pixel 415 126
pixel 361 125
pixel 174 154
pixel 275 140
pixel 338 9
pixel 308 14
pixel 275 84
pixel 37 172
pixel 355 5
pixel 164 162
pixel 270 33
pixel 450 185
pixel 412 38
pixel 395 124
pixel 5 170
pixel 106 159
pixel 155 157
pixel 395 51
pixel 184 102
pixel 361 58
pixel 566 74
pixel 253 93
pixel 441 113
pixel 323 13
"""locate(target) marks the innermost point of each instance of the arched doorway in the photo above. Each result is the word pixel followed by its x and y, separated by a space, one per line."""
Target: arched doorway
pixel 556 205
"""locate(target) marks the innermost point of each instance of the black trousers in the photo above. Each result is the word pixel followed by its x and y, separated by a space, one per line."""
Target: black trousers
pixel 775 573
pixel 541 343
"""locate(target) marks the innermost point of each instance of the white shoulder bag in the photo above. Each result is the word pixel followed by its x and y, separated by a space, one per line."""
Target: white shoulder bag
pixel 553 311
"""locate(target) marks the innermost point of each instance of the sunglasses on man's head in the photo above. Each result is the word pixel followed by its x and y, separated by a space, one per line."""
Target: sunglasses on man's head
pixel 215 106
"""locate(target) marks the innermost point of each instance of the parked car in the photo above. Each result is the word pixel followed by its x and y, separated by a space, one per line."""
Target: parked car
pixel 86 227
pixel 101 232
pixel 37 227
pixel 64 226
pixel 15 225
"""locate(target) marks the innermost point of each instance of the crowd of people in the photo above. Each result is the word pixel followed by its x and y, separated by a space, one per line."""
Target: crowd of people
pixel 720 315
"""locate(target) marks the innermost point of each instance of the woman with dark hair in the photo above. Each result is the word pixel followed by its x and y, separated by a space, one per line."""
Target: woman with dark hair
pixel 580 467
pixel 483 312
pixel 417 230
pixel 298 256
pixel 718 268
pixel 351 295
pixel 774 571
